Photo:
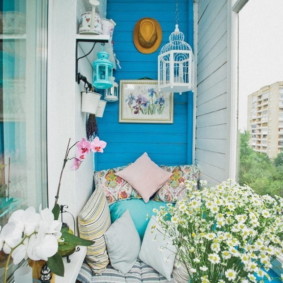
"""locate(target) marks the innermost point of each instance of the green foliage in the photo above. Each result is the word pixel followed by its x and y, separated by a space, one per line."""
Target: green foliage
pixel 258 171
pixel 278 161
pixel 69 242
pixel 56 265
pixel 56 211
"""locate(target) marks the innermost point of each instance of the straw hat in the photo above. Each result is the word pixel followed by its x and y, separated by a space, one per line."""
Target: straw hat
pixel 147 35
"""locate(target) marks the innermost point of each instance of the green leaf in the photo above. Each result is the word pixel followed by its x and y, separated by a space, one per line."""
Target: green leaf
pixel 56 211
pixel 74 240
pixel 56 265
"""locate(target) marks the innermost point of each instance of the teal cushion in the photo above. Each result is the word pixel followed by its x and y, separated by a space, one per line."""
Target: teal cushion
pixel 140 211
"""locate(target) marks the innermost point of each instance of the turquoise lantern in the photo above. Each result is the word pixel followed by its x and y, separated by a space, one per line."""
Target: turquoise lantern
pixel 102 71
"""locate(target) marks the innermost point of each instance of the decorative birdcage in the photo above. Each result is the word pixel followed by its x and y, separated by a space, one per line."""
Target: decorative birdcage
pixel 175 64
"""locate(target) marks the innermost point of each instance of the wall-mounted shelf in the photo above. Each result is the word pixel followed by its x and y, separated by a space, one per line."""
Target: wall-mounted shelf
pixel 92 38
pixel 85 42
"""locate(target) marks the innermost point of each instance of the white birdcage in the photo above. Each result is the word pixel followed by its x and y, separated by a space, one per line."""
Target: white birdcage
pixel 175 64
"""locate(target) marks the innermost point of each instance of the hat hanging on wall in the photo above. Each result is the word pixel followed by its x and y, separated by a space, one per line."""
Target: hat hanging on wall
pixel 147 35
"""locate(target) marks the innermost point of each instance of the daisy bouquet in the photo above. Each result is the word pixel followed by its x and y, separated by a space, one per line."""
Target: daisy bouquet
pixel 226 233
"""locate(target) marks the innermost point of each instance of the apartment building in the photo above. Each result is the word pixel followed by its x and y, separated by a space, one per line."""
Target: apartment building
pixel 265 119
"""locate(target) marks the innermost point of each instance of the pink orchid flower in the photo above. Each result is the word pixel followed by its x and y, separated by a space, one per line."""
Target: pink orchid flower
pixel 83 147
pixel 97 145
pixel 76 163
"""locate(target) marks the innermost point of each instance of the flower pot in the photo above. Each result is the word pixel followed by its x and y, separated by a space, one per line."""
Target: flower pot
pixel 90 102
pixel 36 270
pixel 23 275
pixel 101 108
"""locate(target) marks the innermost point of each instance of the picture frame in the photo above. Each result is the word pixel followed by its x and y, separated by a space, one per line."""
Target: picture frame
pixel 141 102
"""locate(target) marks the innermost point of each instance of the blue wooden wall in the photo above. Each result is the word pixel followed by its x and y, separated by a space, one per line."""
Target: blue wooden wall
pixel 167 144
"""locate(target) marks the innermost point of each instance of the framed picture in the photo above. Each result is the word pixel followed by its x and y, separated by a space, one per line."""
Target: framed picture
pixel 141 102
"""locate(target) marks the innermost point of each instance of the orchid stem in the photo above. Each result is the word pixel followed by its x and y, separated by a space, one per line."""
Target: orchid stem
pixel 10 254
pixel 7 267
pixel 62 170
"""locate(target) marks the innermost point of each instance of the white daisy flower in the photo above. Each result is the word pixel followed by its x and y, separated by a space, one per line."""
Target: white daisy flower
pixel 226 254
pixel 214 258
pixel 252 277
pixel 203 268
pixel 231 274
pixel 215 247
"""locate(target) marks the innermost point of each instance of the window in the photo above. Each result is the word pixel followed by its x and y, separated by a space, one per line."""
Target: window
pixel 260 78
pixel 23 180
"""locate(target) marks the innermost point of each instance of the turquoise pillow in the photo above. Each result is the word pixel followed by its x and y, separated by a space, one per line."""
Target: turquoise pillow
pixel 140 211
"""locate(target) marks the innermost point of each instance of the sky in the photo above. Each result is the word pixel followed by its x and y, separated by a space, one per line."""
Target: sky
pixel 260 49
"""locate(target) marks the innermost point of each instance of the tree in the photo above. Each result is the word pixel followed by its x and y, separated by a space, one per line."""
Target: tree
pixel 278 161
pixel 258 171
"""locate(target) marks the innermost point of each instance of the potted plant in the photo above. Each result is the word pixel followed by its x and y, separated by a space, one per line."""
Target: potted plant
pixel 40 236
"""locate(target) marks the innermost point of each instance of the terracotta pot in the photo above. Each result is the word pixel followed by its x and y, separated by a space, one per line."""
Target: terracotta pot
pixel 36 270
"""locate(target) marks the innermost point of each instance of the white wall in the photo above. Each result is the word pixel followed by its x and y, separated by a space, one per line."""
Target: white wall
pixel 216 92
pixel 65 119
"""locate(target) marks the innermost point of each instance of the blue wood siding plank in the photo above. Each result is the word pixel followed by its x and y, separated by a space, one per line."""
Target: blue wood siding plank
pixel 167 144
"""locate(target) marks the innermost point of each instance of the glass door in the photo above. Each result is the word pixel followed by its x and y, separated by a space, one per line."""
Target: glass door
pixel 23 177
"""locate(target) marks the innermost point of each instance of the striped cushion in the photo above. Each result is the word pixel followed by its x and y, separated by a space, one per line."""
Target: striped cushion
pixel 140 272
pixel 93 221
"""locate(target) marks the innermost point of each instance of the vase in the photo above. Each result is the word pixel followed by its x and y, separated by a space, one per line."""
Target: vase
pixel 36 270
pixel 23 275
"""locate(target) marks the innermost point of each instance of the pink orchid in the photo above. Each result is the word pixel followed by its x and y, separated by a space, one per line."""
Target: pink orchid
pixel 81 156
pixel 83 147
pixel 76 163
pixel 97 145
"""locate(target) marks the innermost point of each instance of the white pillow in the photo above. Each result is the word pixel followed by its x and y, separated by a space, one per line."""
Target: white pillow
pixel 123 243
pixel 157 250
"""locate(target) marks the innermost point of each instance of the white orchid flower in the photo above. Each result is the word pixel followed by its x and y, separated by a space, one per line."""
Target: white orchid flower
pixel 42 247
pixel 31 220
pixel 28 218
pixel 34 240
pixel 48 225
pixel 12 233
pixel 48 247
pixel 1 240
pixel 19 253
pixel 6 249
pixel 17 218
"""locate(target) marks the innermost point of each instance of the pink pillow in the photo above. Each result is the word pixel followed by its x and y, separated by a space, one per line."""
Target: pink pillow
pixel 144 176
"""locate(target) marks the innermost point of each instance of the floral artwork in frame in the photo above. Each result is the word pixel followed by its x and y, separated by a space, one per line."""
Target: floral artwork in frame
pixel 141 102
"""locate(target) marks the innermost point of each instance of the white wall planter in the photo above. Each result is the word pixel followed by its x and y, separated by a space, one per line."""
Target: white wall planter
pixel 101 108
pixel 90 102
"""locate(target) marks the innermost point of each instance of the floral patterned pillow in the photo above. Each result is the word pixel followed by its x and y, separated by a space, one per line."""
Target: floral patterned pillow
pixel 175 188
pixel 115 188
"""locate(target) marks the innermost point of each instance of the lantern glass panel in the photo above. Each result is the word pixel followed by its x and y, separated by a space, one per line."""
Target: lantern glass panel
pixel 101 72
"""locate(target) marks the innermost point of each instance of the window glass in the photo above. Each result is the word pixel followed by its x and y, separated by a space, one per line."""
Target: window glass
pixel 23 178
pixel 23 105
pixel 260 96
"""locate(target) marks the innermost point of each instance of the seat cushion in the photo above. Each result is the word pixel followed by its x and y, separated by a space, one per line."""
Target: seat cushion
pixel 115 188
pixel 139 211
pixel 157 249
pixel 93 222
pixel 140 272
pixel 123 243
pixel 174 188
pixel 145 176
